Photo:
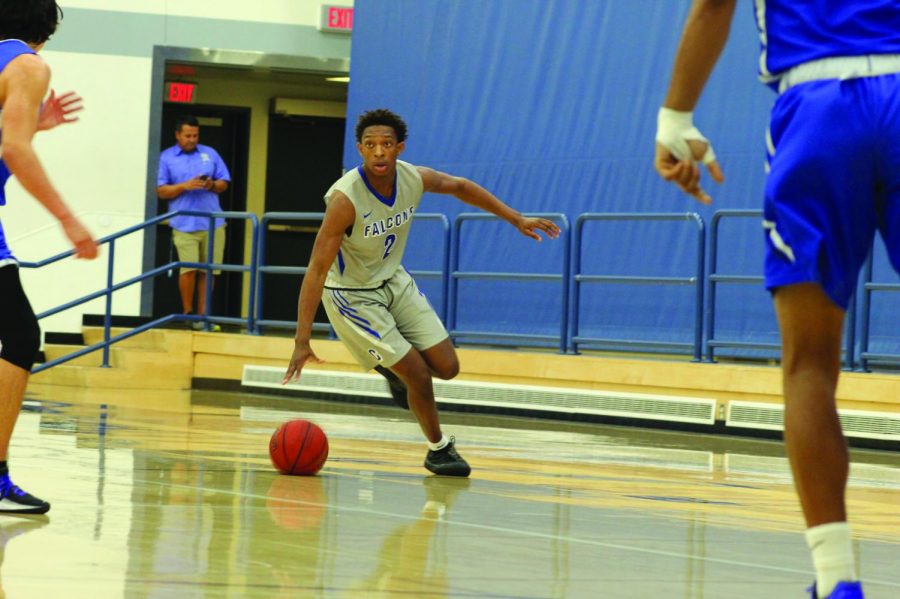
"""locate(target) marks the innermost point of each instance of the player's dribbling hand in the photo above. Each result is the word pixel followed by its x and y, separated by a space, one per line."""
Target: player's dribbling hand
pixel 529 226
pixel 686 173
pixel 303 353
pixel 85 246
pixel 58 111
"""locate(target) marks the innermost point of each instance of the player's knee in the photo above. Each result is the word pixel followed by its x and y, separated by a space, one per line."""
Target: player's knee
pixel 815 360
pixel 418 378
pixel 448 370
pixel 20 343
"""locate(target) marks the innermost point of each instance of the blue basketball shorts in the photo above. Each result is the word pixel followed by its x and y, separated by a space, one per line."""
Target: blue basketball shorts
pixel 834 179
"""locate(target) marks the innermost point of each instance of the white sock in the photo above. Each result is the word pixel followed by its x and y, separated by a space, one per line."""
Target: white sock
pixel 440 444
pixel 832 554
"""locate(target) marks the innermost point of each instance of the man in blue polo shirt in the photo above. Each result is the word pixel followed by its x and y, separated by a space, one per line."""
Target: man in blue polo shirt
pixel 833 180
pixel 191 177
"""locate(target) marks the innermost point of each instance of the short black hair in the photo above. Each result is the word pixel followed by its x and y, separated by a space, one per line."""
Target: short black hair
pixel 381 116
pixel 185 119
pixel 32 21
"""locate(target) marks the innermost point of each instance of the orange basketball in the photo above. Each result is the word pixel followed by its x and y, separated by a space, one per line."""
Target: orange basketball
pixel 298 447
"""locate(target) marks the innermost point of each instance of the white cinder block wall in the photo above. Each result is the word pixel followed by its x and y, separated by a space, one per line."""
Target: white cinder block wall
pixel 104 51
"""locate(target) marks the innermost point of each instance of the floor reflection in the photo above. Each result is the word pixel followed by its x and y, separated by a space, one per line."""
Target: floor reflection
pixel 157 499
pixel 12 527
pixel 412 559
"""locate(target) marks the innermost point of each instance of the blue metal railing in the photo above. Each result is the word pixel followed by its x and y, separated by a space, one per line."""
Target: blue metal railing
pixel 301 270
pixel 456 274
pixel 868 288
pixel 444 274
pixel 714 278
pixel 570 278
pixel 111 287
pixel 578 279
pixel 264 269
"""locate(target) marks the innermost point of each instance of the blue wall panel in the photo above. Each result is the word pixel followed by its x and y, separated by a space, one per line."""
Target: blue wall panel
pixel 552 105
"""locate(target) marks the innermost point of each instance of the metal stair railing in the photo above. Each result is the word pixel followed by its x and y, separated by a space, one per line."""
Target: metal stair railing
pixel 112 287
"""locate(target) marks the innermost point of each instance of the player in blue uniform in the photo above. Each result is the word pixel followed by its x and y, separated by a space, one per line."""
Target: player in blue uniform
pixel 24 79
pixel 833 180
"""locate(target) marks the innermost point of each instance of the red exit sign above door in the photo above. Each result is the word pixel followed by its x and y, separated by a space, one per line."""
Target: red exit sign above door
pixel 336 19
pixel 181 92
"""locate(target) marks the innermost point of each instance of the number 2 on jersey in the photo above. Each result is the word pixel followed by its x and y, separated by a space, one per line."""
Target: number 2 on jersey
pixel 388 244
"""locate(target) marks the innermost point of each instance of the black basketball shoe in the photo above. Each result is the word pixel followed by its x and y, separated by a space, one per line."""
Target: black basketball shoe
pixel 14 500
pixel 446 461
pixel 397 387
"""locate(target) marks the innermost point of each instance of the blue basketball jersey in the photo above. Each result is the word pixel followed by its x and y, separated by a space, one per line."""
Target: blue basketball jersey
pixel 796 31
pixel 9 49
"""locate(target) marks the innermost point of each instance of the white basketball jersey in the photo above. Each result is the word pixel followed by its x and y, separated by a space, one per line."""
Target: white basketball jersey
pixel 371 253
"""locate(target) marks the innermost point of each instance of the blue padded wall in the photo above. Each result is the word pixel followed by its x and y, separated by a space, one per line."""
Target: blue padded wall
pixel 551 104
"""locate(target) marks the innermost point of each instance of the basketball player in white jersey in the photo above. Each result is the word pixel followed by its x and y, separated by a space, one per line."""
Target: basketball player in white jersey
pixel 372 302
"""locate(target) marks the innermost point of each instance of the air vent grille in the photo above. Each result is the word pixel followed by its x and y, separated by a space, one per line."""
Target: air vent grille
pixel 550 399
pixel 856 423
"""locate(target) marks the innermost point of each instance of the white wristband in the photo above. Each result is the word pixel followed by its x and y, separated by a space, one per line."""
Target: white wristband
pixel 674 128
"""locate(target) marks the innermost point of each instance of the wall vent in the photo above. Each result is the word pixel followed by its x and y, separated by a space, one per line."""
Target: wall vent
pixel 525 397
pixel 856 423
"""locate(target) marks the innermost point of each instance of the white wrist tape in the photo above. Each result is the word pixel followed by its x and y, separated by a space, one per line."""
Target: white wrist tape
pixel 675 128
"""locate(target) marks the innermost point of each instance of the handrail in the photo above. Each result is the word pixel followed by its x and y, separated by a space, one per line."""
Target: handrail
pixel 713 278
pixel 111 287
pixel 301 270
pixel 868 287
pixel 444 273
pixel 697 281
pixel 706 282
pixel 456 274
pixel 263 268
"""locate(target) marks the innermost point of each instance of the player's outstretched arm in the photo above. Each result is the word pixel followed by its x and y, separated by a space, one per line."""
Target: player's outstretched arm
pixel 26 79
pixel 679 144
pixel 476 195
pixel 339 216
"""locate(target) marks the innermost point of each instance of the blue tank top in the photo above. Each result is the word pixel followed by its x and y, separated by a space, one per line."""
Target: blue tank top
pixel 794 31
pixel 9 49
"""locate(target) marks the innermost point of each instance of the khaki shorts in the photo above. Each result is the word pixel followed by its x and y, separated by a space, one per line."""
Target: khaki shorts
pixel 380 326
pixel 192 247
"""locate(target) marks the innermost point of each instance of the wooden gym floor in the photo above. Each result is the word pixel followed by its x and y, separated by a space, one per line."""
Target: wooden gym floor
pixel 171 494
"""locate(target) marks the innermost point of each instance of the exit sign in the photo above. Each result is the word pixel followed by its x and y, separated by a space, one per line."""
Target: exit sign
pixel 336 19
pixel 181 92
